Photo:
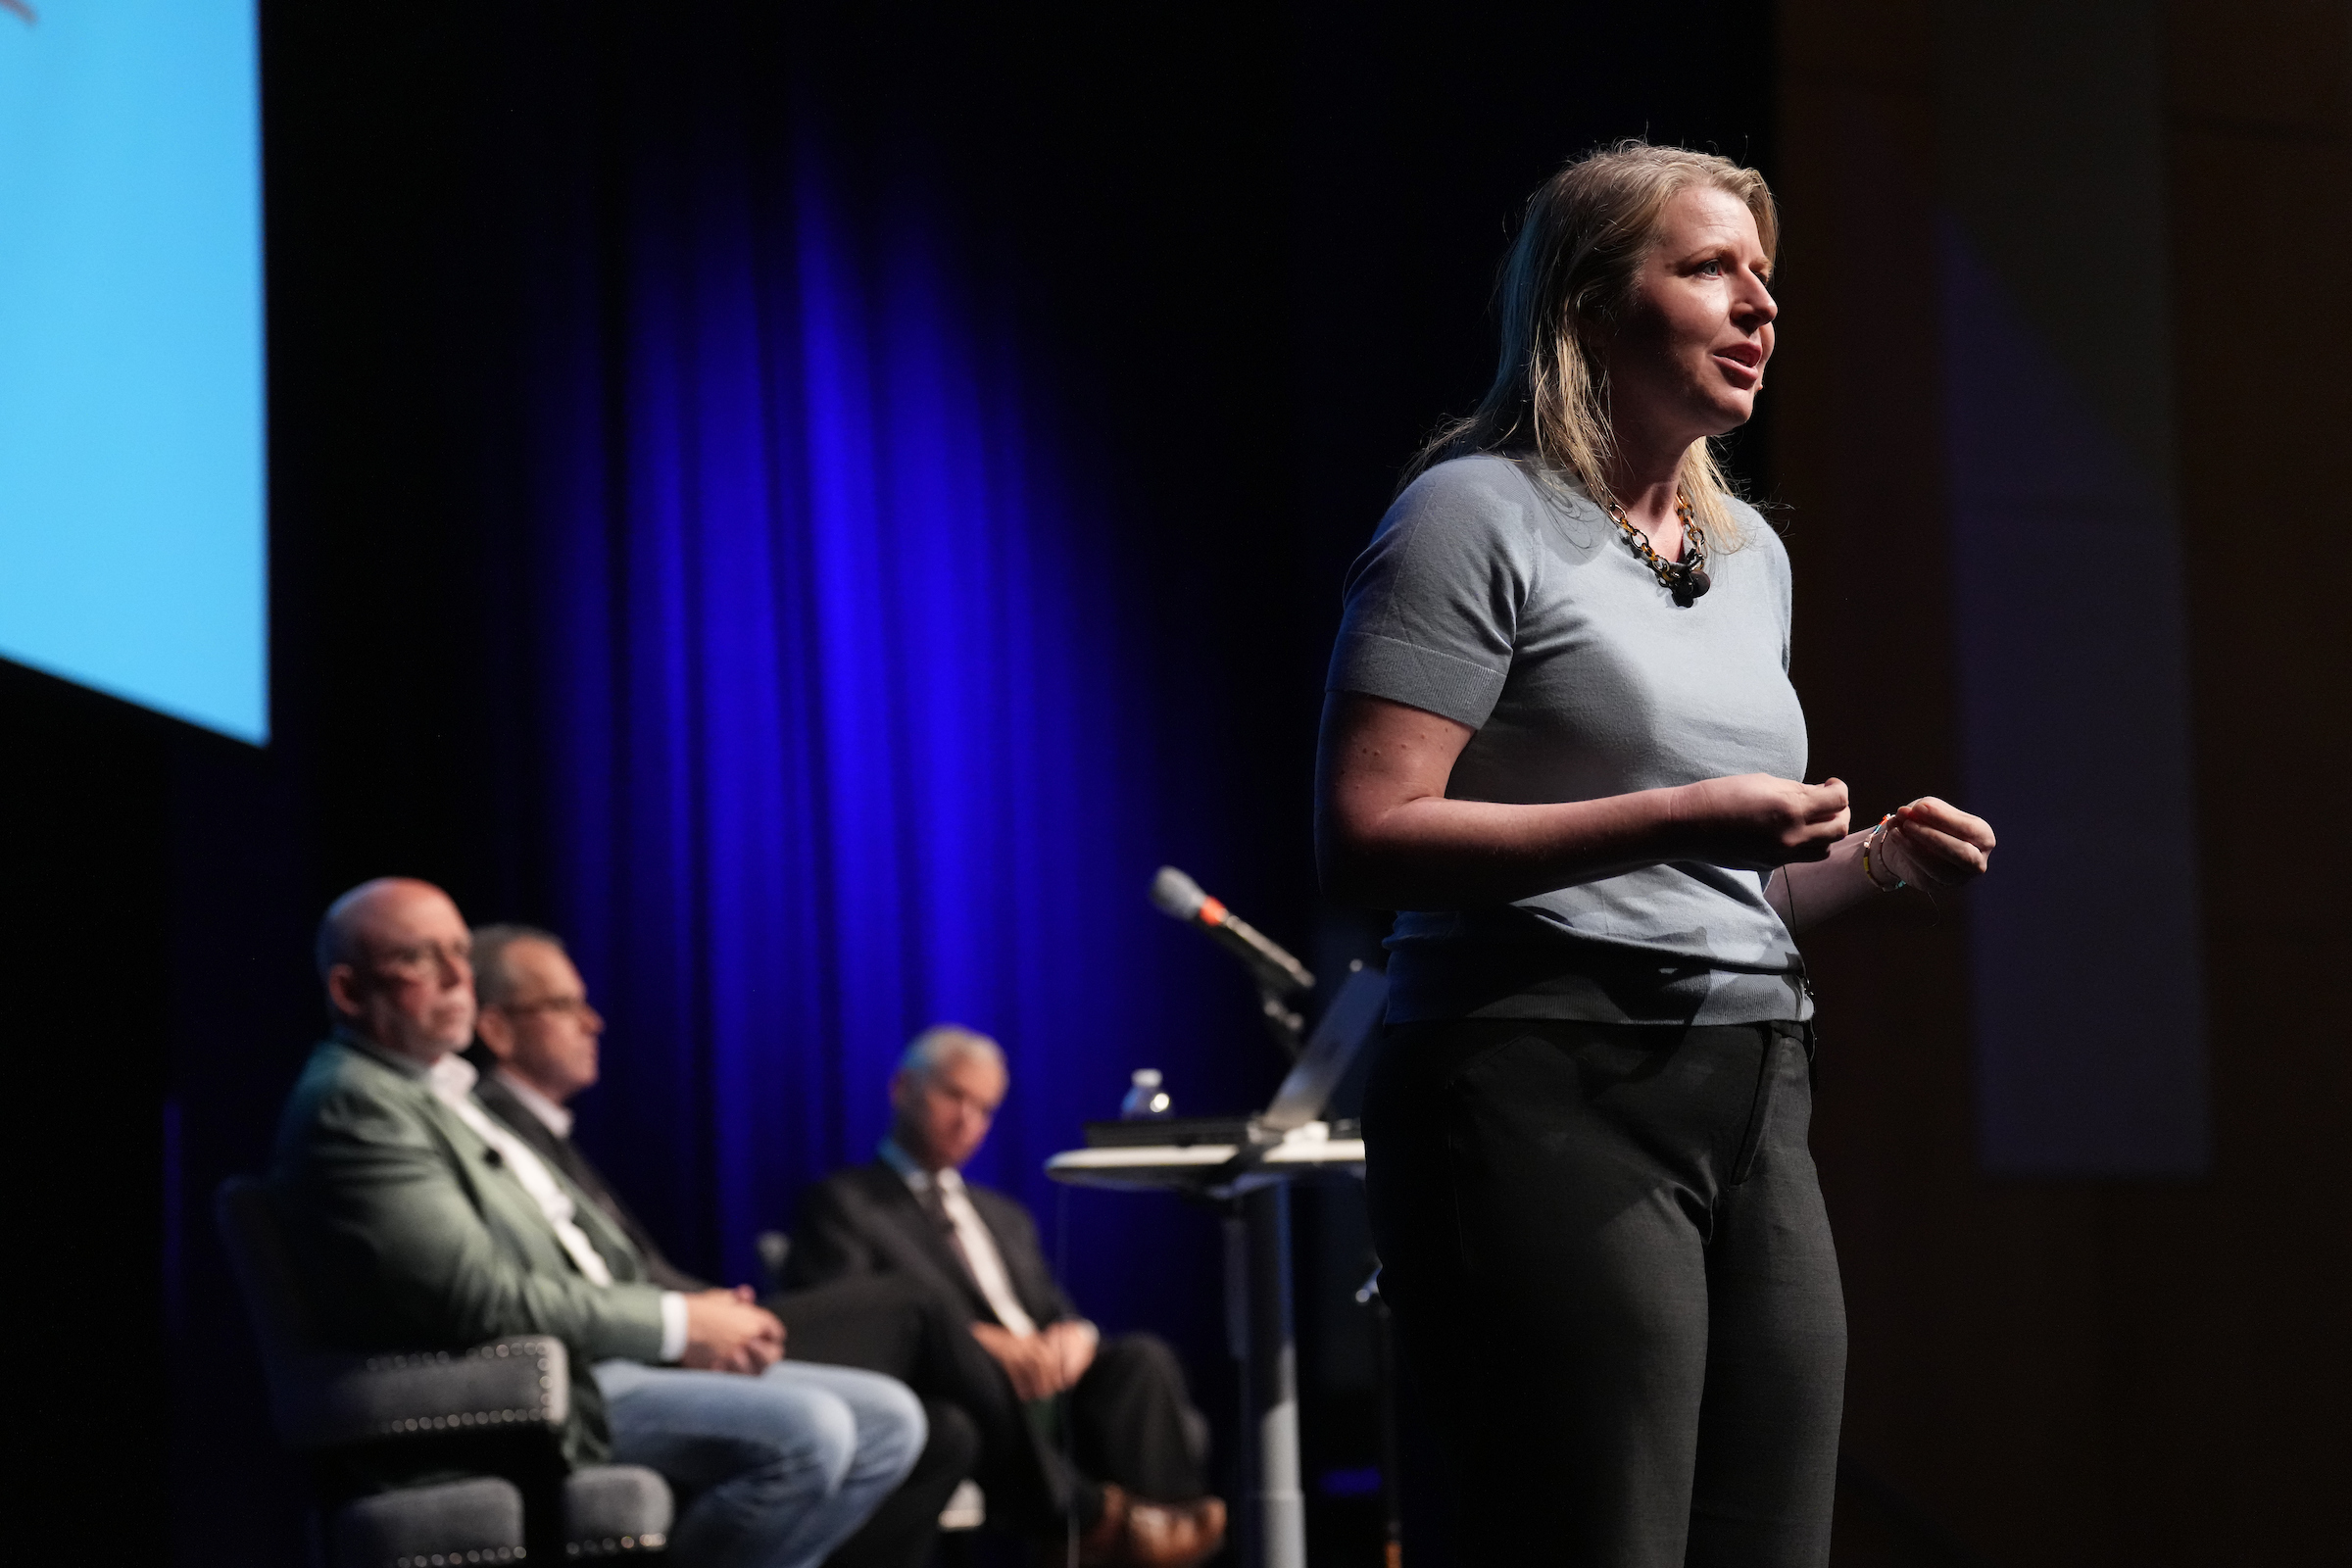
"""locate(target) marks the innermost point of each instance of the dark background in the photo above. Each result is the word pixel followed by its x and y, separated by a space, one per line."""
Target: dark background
pixel 1254 246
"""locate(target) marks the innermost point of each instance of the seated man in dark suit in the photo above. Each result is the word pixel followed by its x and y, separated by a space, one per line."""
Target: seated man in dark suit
pixel 416 1222
pixel 537 1047
pixel 1138 1495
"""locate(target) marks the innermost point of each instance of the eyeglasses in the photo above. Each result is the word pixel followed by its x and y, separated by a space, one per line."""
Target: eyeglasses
pixel 962 1099
pixel 423 960
pixel 575 1006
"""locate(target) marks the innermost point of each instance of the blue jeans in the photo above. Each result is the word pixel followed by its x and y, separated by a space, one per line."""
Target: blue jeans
pixel 772 1471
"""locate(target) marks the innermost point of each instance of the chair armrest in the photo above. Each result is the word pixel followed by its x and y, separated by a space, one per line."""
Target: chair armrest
pixel 506 1384
pixel 612 1510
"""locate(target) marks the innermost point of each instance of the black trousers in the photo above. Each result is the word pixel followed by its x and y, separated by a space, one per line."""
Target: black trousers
pixel 1132 1422
pixel 1128 1420
pixel 882 1324
pixel 1609 1257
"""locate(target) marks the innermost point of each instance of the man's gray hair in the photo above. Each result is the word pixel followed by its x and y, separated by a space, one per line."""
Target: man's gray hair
pixel 493 976
pixel 942 1044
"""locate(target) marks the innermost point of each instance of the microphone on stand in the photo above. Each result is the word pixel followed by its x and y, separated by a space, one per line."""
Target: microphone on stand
pixel 1275 970
pixel 1278 976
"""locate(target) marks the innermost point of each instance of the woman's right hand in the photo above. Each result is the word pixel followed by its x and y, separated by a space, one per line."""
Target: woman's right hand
pixel 1757 821
pixel 1387 836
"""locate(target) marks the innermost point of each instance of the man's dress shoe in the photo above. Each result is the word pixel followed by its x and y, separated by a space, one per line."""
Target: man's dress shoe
pixel 1135 1533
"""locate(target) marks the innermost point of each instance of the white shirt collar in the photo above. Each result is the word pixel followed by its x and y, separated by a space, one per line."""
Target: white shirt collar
pixel 949 1179
pixel 556 1119
pixel 453 1074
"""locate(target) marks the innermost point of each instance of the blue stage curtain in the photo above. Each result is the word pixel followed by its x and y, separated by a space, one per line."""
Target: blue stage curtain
pixel 846 724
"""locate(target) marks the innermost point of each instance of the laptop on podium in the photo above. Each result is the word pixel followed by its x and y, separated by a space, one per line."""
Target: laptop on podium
pixel 1346 1025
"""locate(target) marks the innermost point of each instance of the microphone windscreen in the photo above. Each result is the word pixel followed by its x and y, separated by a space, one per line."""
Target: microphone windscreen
pixel 1176 894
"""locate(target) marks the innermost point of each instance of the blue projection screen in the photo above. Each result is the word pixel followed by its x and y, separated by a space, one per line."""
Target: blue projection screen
pixel 132 527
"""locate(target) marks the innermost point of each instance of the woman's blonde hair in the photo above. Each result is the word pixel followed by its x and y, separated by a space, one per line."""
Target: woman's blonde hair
pixel 1569 275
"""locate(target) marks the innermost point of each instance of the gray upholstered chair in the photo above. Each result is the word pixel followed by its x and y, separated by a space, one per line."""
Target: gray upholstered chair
pixel 425 1412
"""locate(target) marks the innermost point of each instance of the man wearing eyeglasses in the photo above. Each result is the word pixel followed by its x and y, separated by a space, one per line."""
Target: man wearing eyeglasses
pixel 419 1222
pixel 539 1046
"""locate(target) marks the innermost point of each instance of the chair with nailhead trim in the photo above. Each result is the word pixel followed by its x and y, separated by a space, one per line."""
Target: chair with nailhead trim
pixel 391 1436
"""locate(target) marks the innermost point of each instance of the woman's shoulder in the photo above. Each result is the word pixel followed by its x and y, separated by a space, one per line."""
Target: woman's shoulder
pixel 1484 493
pixel 1482 479
pixel 1460 520
pixel 1755 536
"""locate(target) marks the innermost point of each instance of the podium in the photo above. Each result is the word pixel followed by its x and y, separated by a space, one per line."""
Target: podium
pixel 1256 1179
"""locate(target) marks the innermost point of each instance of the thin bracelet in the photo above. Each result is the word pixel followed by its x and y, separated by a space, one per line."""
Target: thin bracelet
pixel 1869 838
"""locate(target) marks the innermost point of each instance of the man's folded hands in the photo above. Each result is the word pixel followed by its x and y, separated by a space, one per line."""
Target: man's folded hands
pixel 1043 1365
pixel 727 1332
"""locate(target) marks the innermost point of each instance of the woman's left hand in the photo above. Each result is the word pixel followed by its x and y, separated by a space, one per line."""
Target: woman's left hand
pixel 1934 843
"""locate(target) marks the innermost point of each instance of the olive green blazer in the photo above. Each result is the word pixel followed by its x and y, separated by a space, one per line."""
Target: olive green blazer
pixel 410 1233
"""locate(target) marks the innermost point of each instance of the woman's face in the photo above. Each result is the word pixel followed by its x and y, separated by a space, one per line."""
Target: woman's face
pixel 1687 360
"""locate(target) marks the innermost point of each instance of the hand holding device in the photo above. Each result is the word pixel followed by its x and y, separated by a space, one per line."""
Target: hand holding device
pixel 1760 821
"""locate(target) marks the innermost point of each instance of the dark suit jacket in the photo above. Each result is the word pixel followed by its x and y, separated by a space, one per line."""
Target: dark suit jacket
pixel 864 1220
pixel 565 1155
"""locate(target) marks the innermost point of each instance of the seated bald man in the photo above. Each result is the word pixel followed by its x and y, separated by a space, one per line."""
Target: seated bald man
pixel 1138 1495
pixel 419 1222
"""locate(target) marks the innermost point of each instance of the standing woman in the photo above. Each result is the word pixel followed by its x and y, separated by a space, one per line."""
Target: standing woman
pixel 1561 739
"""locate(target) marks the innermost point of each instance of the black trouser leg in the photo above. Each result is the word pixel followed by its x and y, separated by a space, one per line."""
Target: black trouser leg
pixel 900 1532
pixel 1030 1485
pixel 1766 1479
pixel 1127 1417
pixel 876 1322
pixel 883 1323
pixel 880 1323
pixel 1609 1257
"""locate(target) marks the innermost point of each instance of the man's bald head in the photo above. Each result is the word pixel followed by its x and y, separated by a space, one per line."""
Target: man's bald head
pixel 393 955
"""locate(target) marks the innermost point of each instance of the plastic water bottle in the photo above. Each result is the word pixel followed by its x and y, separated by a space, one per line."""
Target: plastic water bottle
pixel 1146 1101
